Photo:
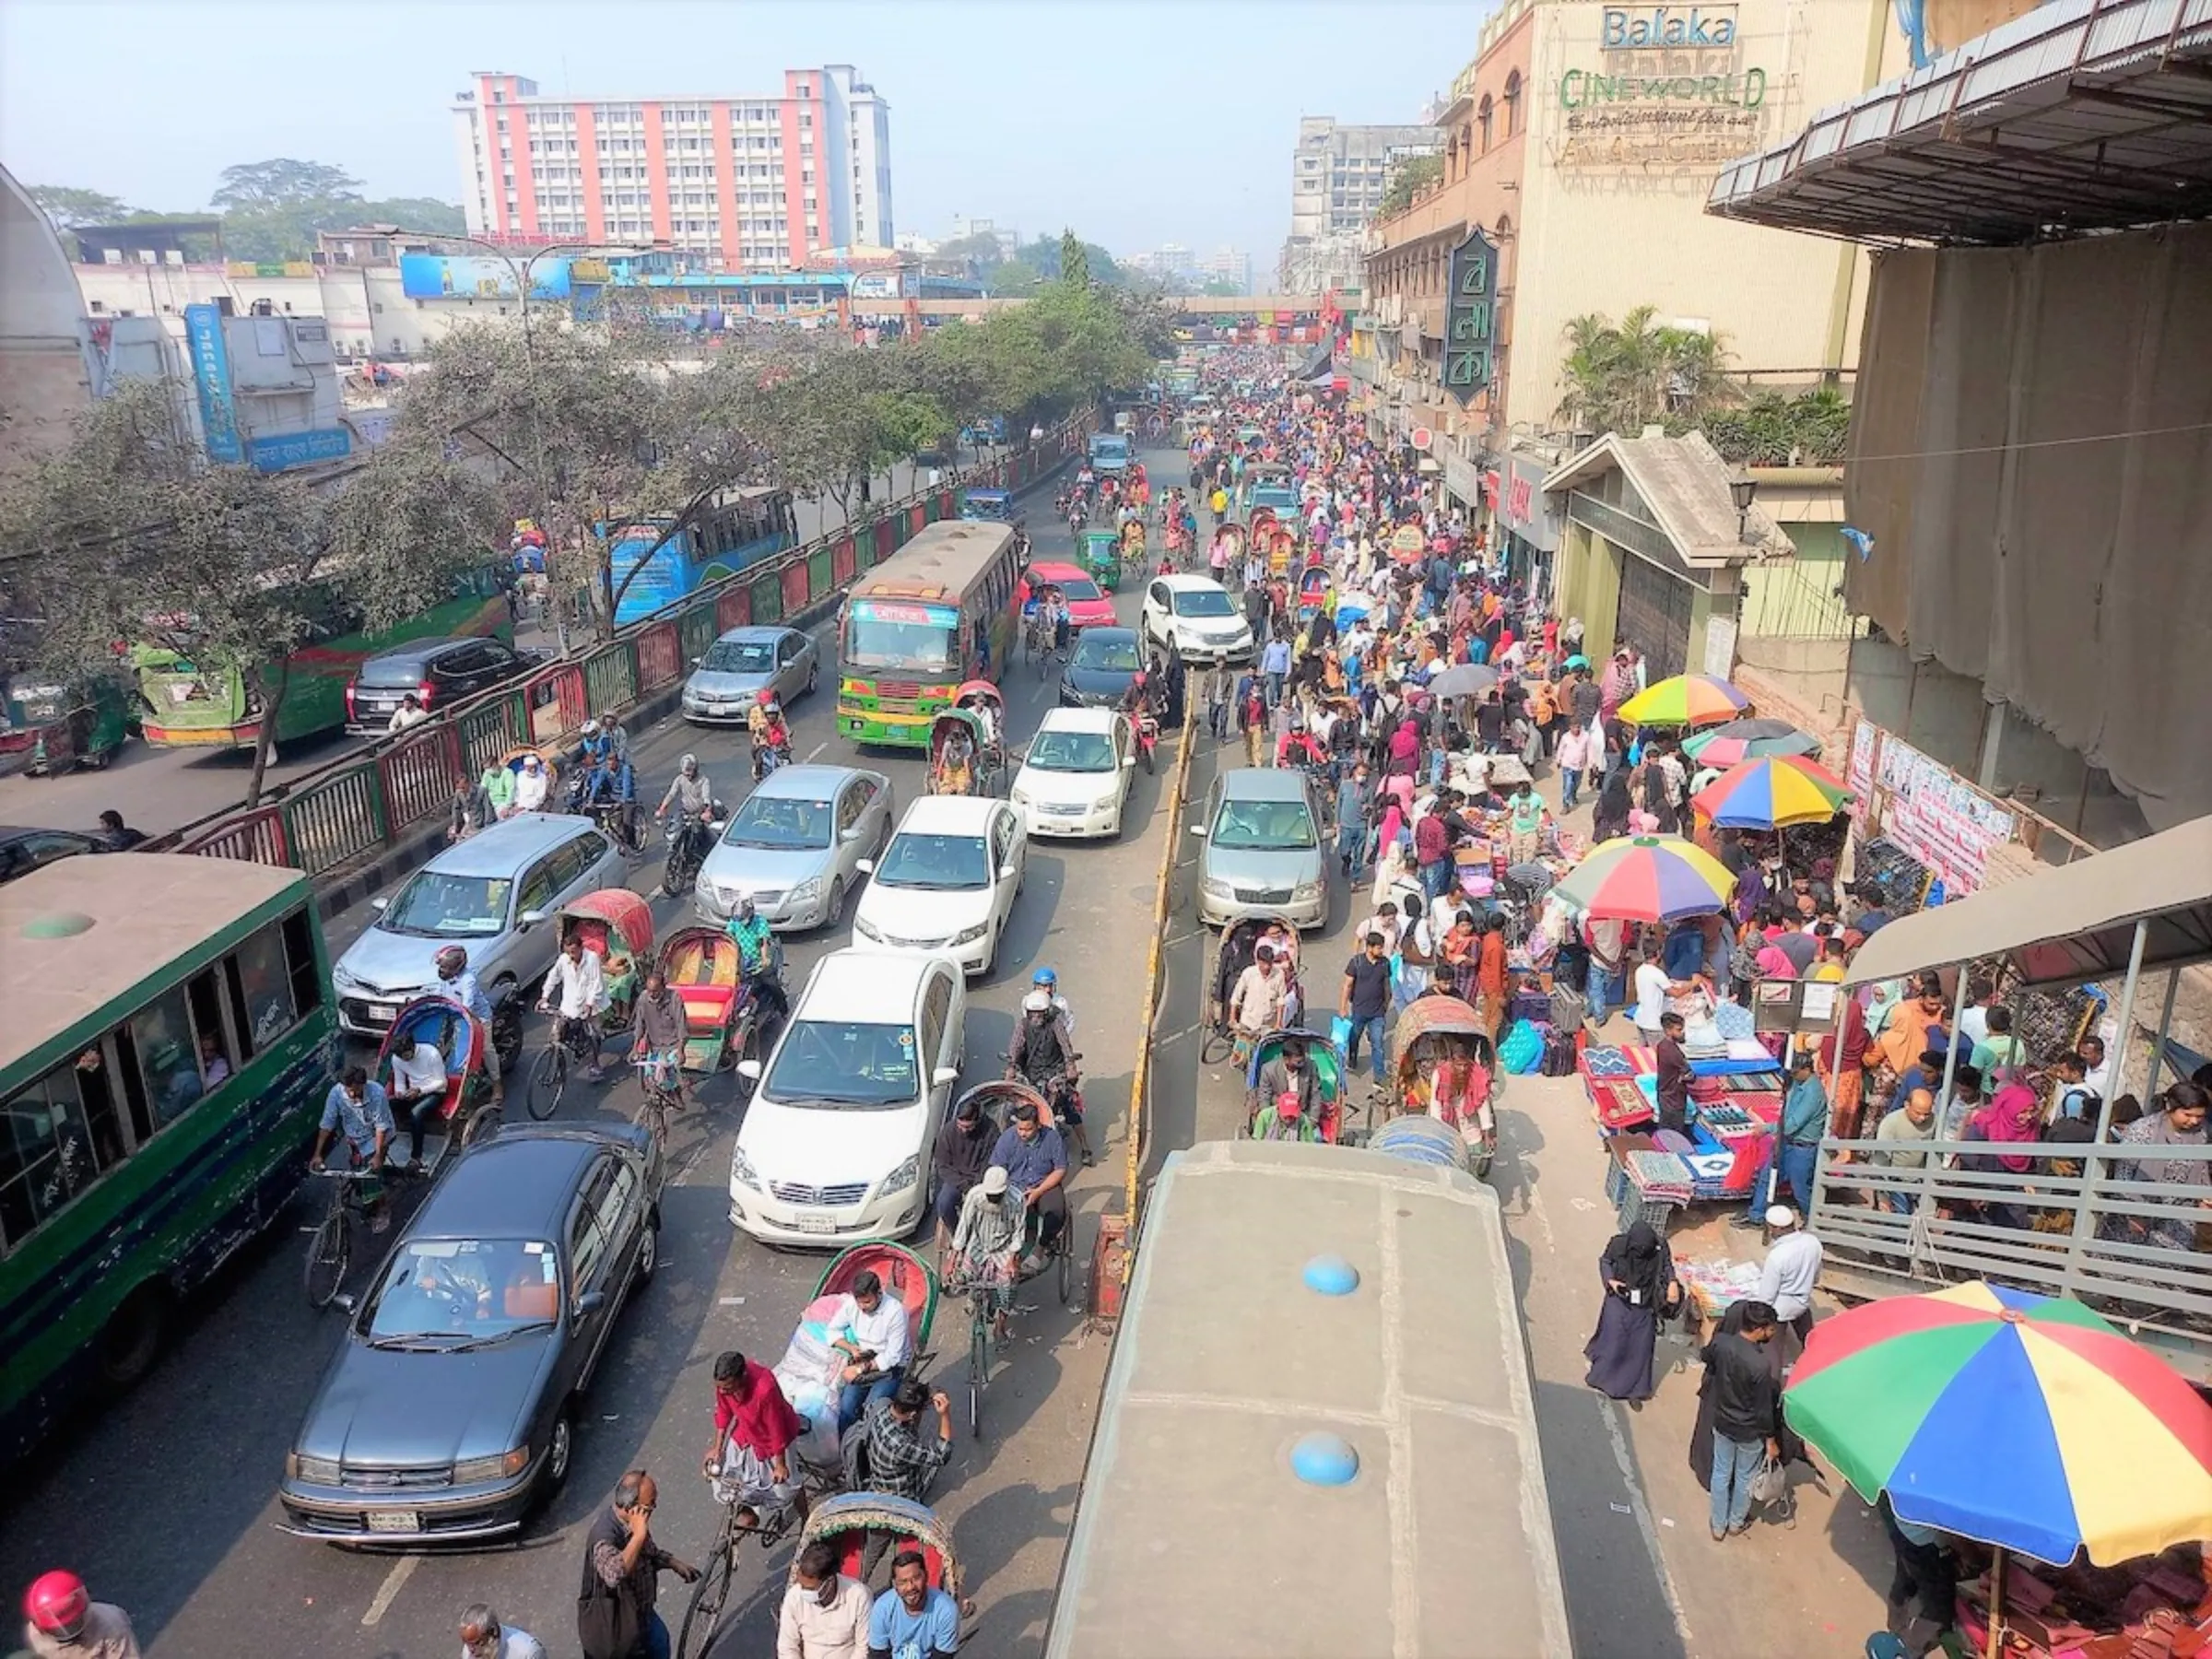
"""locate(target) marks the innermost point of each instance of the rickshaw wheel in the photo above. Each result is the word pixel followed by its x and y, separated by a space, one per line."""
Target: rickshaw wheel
pixel 482 1124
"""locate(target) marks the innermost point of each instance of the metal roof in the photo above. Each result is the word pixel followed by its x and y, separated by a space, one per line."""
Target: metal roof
pixel 2079 116
pixel 2070 924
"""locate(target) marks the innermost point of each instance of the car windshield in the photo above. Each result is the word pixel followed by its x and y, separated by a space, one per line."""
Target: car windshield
pixel 782 822
pixel 937 863
pixel 1264 826
pixel 1072 752
pixel 1202 602
pixel 438 906
pixel 739 656
pixel 835 1062
pixel 1073 588
pixel 394 671
pixel 453 1293
pixel 871 643
pixel 1108 655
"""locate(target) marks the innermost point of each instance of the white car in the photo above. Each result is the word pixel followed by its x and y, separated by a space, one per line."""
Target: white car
pixel 1199 615
pixel 947 883
pixel 1075 778
pixel 837 1143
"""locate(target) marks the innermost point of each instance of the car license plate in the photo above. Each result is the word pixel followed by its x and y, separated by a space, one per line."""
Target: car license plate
pixel 381 1014
pixel 395 1520
pixel 816 1224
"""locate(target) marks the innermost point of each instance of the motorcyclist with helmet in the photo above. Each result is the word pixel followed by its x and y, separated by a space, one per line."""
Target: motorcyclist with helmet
pixel 1043 1056
pixel 771 739
pixel 63 1621
pixel 759 956
pixel 456 983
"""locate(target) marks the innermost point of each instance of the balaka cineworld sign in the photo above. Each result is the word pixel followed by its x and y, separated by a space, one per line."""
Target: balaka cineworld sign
pixel 1666 27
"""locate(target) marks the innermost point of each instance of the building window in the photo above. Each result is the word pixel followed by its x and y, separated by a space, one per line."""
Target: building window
pixel 1482 120
pixel 1512 103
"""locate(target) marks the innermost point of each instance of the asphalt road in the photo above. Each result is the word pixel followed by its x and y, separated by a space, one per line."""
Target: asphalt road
pixel 164 1502
pixel 161 790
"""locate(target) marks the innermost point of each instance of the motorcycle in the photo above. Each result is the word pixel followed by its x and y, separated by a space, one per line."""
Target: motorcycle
pixel 767 757
pixel 690 836
pixel 1148 738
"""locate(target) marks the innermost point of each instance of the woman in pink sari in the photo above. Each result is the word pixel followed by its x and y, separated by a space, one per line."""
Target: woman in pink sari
pixel 2012 1117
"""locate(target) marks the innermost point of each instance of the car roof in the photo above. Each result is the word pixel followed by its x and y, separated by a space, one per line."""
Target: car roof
pixel 762 632
pixel 412 650
pixel 949 814
pixel 1078 720
pixel 1181 580
pixel 863 985
pixel 498 849
pixel 1262 784
pixel 811 783
pixel 1058 570
pixel 9 833
pixel 518 1184
pixel 1116 634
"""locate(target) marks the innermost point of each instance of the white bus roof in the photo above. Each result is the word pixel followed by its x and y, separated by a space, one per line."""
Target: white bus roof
pixel 83 932
pixel 1194 1535
pixel 939 564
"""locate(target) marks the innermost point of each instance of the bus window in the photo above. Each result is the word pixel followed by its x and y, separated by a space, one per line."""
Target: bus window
pixel 50 1152
pixel 262 989
pixel 299 957
pixel 162 1032
pixel 213 1046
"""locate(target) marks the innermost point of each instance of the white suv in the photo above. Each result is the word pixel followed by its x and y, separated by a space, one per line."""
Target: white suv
pixel 1199 615
pixel 837 1142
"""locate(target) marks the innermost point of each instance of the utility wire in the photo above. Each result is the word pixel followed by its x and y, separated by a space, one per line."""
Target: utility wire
pixel 2029 443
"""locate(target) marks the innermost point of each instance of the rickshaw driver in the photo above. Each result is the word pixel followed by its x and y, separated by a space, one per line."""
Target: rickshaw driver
pixel 986 1245
pixel 756 941
pixel 1057 616
pixel 1042 1055
pixel 358 1108
pixel 457 985
pixel 956 756
pixel 661 1033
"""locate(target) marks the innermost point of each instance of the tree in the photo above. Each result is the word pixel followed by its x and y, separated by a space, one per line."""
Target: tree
pixel 410 213
pixel 1412 176
pixel 256 187
pixel 128 536
pixel 68 206
pixel 1621 378
pixel 1773 430
pixel 1222 287
pixel 1075 264
pixel 980 252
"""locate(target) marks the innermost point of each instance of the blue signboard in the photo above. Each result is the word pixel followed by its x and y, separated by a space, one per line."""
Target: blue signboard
pixel 211 375
pixel 469 276
pixel 298 448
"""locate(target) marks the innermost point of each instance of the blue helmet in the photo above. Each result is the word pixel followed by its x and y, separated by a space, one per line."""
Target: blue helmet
pixel 1044 976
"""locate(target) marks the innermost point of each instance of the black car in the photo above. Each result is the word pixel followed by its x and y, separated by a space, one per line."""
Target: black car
pixel 449 1413
pixel 1105 660
pixel 439 672
pixel 24 850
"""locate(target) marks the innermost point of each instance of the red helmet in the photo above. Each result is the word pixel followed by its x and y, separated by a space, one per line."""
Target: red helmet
pixel 56 1604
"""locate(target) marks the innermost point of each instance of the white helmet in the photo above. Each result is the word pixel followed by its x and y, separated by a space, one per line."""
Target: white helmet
pixel 1037 1002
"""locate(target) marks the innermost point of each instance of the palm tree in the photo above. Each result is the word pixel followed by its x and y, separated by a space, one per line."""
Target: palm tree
pixel 1621 378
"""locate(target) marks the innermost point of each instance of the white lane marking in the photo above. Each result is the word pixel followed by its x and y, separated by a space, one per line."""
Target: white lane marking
pixel 818 748
pixel 1644 1529
pixel 402 1570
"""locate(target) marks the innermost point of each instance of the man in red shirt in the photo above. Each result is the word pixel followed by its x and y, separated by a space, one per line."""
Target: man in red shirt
pixel 1489 974
pixel 755 1428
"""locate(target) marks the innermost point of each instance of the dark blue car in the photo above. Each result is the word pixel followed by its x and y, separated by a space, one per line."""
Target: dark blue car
pixel 449 1413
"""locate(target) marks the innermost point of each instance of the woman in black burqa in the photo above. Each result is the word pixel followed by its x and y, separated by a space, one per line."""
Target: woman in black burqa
pixel 1637 1273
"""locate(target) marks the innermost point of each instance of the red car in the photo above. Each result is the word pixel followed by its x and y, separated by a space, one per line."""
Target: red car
pixel 1087 605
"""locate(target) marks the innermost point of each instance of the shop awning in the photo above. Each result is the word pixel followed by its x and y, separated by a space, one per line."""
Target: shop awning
pixel 1320 366
pixel 2078 115
pixel 2070 924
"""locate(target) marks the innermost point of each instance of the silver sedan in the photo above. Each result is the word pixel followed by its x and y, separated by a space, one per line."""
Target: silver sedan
pixel 794 846
pixel 726 681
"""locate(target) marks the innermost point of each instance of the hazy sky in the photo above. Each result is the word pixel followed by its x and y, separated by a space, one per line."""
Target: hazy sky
pixel 1137 124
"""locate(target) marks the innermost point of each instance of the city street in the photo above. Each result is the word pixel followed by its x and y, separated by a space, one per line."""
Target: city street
pixel 208 1431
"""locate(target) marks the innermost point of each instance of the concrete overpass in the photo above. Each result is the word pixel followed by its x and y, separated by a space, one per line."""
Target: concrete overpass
pixel 1197 305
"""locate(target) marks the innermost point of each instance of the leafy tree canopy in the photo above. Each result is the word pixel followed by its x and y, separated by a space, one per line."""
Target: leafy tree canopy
pixel 1412 175
pixel 1622 376
pixel 68 206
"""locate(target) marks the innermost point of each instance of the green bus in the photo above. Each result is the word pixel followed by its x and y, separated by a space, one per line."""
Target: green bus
pixel 169 1036
pixel 192 704
pixel 939 612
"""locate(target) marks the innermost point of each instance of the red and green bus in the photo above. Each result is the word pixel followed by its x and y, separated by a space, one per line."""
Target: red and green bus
pixel 196 704
pixel 941 610
pixel 169 1039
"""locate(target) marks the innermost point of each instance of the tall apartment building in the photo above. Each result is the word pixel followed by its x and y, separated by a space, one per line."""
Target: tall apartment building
pixel 1232 265
pixel 1338 175
pixel 748 183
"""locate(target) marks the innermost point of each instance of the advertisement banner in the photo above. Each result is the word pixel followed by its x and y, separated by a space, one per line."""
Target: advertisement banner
pixel 298 448
pixel 211 376
pixel 470 276
pixel 1467 317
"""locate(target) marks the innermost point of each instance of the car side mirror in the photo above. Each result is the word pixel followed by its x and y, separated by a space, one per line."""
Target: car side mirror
pixel 378 905
pixel 944 1076
pixel 750 1070
pixel 696 660
pixel 866 867
pixel 1198 830
pixel 531 918
pixel 590 1302
pixel 1128 761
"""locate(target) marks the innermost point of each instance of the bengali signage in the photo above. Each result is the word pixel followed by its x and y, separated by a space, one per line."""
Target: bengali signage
pixel 286 450
pixel 1469 316
pixel 211 379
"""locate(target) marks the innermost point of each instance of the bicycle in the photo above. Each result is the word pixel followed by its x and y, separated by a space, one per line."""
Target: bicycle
pixel 573 1039
pixel 981 1319
pixel 702 1614
pixel 661 1096
pixel 330 1252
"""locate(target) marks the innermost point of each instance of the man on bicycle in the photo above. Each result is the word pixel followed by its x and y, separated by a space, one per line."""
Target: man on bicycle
pixel 755 1429
pixel 1057 616
pixel 660 1035
pixel 575 992
pixel 358 1108
pixel 986 1246
pixel 457 985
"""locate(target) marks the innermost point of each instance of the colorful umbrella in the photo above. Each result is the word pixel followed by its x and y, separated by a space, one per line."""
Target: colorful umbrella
pixel 2025 1421
pixel 1687 700
pixel 1749 740
pixel 1770 794
pixel 1647 878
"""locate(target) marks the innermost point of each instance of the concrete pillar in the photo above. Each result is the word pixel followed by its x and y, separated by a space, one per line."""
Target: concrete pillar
pixel 1993 735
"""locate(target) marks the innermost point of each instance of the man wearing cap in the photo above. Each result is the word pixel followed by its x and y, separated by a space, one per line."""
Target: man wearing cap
pixel 986 1246
pixel 960 1157
pixel 1785 1283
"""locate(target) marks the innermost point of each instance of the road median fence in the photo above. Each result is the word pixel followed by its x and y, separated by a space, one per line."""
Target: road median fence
pixel 336 822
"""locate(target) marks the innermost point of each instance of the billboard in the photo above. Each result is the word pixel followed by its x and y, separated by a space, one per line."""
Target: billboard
pixel 480 276
pixel 211 378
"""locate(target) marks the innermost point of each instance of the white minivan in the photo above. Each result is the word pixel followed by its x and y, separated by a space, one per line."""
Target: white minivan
pixel 837 1142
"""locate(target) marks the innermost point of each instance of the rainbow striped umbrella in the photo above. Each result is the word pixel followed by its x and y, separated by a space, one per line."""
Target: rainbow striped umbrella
pixel 1687 700
pixel 1647 878
pixel 2025 1421
pixel 1748 740
pixel 1770 792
